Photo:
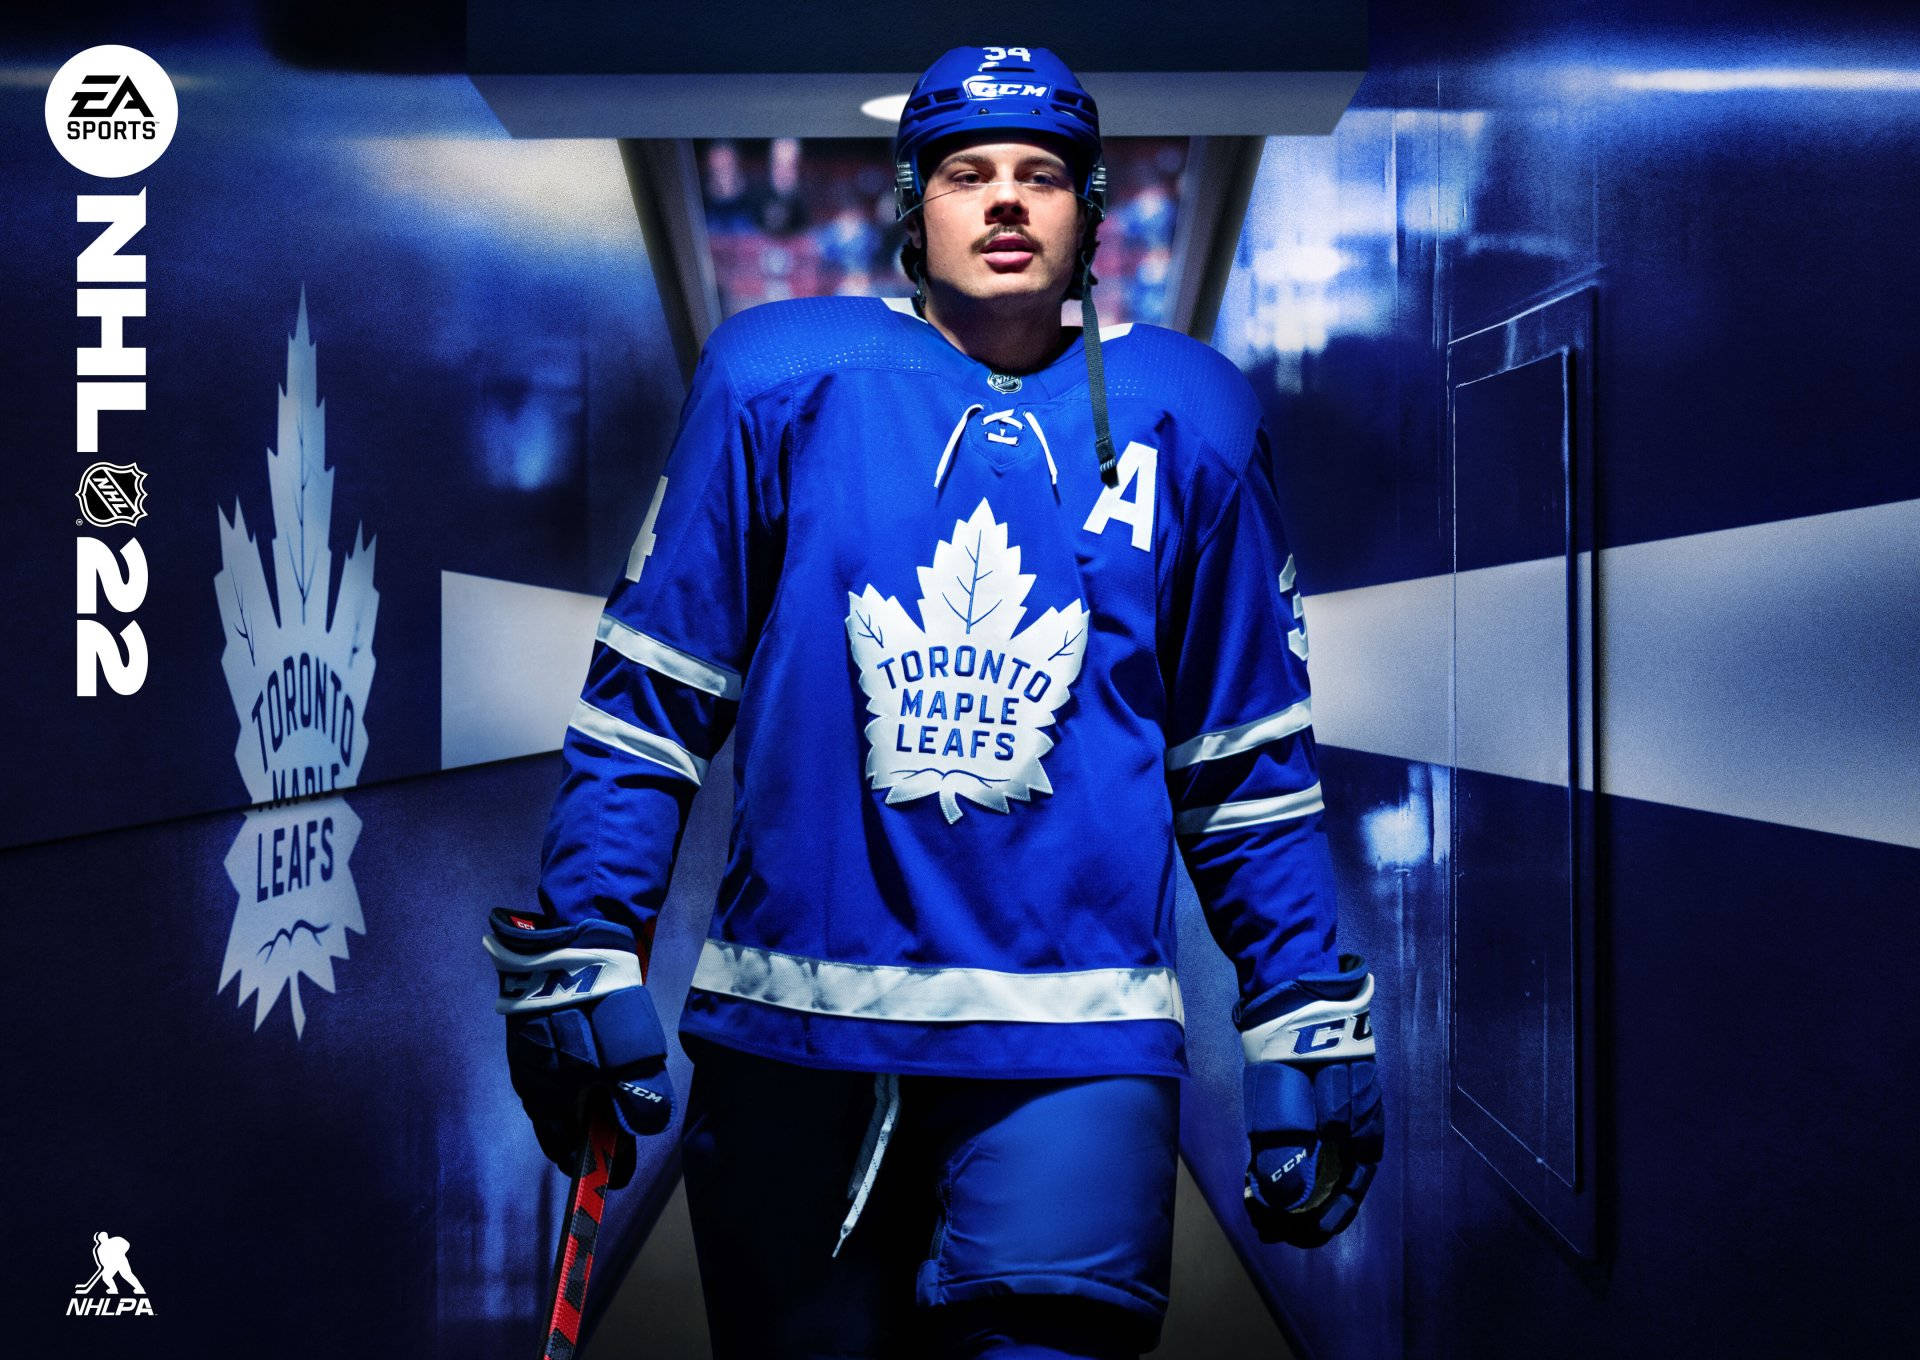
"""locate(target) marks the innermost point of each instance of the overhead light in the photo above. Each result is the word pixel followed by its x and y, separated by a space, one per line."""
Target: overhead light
pixel 887 108
pixel 1708 81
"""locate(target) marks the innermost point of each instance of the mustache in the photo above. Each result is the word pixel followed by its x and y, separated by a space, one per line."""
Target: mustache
pixel 996 235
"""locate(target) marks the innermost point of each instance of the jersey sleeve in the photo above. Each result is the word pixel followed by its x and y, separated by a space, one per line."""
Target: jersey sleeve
pixel 1240 764
pixel 664 682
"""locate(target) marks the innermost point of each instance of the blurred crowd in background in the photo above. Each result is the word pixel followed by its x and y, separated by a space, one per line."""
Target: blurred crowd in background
pixel 792 218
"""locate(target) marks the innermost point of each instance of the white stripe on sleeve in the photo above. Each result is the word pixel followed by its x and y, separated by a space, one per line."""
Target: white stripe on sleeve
pixel 1249 812
pixel 1233 740
pixel 622 735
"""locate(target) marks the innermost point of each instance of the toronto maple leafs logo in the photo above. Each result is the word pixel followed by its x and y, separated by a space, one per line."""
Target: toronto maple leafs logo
pixel 299 675
pixel 961 700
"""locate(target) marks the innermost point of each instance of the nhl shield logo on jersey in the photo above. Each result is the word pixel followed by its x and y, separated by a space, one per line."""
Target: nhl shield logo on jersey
pixel 961 700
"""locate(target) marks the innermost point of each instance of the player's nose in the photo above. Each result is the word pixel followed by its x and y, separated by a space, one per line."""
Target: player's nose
pixel 1003 199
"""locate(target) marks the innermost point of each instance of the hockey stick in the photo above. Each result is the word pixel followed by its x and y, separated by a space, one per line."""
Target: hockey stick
pixel 83 1288
pixel 578 1233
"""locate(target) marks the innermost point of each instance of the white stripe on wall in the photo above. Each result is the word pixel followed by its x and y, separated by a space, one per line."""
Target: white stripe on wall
pixel 512 660
pixel 1765 672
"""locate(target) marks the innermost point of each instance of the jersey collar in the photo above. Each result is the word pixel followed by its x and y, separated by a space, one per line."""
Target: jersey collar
pixel 1067 372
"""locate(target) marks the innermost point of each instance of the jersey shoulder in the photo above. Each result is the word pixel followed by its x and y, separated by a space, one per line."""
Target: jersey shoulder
pixel 1198 387
pixel 774 342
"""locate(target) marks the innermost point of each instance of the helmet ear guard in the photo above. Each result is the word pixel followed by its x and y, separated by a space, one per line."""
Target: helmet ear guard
pixel 906 188
pixel 1097 189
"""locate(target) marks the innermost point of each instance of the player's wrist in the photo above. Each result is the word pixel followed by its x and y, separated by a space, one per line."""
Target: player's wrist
pixel 1316 1017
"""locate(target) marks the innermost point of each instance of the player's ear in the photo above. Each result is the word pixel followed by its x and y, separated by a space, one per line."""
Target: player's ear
pixel 916 235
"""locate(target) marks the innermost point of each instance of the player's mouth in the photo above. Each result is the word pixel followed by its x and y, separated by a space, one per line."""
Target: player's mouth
pixel 1008 251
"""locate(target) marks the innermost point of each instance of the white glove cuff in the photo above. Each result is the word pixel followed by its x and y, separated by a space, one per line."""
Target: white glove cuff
pixel 1316 1032
pixel 564 977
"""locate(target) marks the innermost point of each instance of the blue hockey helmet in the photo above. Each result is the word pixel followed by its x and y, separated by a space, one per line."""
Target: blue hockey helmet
pixel 998 90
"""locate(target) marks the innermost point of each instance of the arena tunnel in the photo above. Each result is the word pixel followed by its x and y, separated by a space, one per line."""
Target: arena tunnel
pixel 1585 345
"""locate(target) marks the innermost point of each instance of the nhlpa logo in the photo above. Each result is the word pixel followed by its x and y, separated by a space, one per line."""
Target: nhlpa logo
pixel 110 1271
pixel 299 674
pixel 986 87
pixel 113 493
pixel 961 699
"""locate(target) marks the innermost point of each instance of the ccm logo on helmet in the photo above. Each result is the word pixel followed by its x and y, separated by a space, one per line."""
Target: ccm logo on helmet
pixel 1307 1038
pixel 986 87
pixel 548 982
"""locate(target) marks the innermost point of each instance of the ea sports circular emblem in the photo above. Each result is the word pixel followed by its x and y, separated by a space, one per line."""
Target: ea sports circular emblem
pixel 112 493
pixel 111 111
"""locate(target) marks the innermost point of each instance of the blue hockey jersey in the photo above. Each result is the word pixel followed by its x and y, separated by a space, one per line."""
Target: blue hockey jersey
pixel 979 698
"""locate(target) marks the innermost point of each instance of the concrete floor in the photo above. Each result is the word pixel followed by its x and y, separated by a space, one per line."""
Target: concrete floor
pixel 1215 1315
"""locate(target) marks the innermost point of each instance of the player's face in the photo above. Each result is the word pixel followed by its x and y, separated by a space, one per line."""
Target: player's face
pixel 1001 222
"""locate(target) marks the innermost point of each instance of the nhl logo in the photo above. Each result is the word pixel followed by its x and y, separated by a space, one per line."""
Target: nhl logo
pixel 113 493
pixel 1004 382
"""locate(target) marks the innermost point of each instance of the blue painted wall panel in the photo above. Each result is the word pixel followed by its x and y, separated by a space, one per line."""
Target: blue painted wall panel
pixel 1747 252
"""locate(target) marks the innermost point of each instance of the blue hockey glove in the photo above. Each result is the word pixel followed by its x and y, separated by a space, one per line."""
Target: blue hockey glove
pixel 580 1022
pixel 1314 1122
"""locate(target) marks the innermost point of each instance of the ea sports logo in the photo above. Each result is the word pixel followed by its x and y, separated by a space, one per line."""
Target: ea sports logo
pixel 111 111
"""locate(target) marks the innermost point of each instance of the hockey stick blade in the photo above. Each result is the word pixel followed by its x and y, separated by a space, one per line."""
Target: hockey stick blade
pixel 579 1234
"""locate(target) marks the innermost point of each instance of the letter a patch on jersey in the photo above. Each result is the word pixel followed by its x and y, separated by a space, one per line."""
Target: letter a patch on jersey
pixel 960 700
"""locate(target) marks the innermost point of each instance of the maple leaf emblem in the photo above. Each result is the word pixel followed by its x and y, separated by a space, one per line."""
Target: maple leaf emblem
pixel 300 673
pixel 961 700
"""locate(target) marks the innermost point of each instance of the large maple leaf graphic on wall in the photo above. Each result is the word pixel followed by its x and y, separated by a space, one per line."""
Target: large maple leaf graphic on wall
pixel 300 668
pixel 961 699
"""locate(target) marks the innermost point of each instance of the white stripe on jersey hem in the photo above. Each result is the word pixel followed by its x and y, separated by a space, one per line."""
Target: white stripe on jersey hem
pixel 1250 812
pixel 869 991
pixel 904 306
pixel 622 735
pixel 1232 741
pixel 670 661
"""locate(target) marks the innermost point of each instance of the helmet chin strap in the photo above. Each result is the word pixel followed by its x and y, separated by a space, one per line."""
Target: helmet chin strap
pixel 1096 365
pixel 1097 381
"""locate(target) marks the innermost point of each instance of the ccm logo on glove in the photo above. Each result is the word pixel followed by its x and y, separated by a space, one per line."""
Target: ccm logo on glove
pixel 549 982
pixel 1308 1038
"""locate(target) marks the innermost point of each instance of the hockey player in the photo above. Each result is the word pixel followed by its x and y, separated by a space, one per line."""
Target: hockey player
pixel 1000 615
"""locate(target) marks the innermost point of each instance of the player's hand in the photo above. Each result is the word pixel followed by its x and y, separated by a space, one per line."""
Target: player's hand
pixel 579 1024
pixel 1315 1128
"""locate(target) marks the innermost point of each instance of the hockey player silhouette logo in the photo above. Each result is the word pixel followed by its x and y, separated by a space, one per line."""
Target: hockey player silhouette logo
pixel 110 1261
pixel 961 699
pixel 110 1271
